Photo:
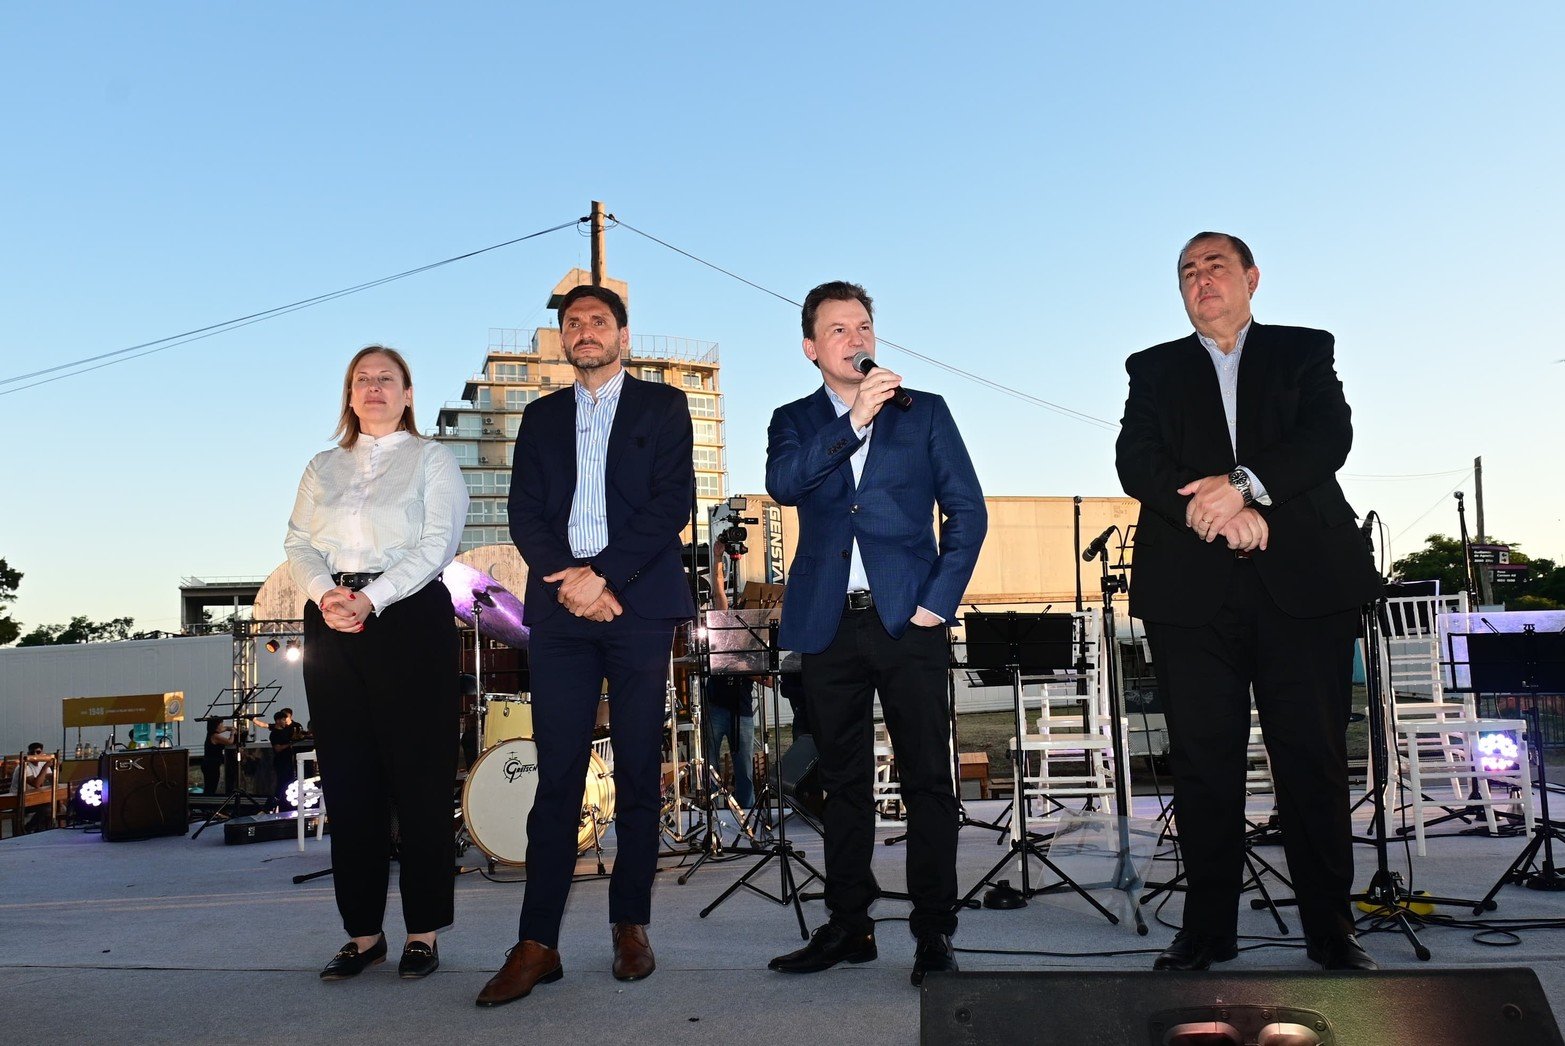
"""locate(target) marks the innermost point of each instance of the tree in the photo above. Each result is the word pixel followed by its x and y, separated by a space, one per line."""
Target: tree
pixel 10 580
pixel 1441 559
pixel 80 630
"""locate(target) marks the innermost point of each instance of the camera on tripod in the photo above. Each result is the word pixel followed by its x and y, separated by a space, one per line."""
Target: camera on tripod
pixel 728 523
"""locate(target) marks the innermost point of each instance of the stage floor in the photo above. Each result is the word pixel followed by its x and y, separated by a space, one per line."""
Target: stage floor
pixel 173 938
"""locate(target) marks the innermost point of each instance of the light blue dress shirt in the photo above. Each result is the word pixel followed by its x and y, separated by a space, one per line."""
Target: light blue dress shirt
pixel 589 523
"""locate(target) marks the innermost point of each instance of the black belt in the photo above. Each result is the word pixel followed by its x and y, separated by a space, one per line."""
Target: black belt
pixel 860 599
pixel 355 580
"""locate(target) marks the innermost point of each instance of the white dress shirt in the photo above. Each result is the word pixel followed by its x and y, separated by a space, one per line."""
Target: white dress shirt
pixel 395 504
pixel 1227 364
pixel 589 521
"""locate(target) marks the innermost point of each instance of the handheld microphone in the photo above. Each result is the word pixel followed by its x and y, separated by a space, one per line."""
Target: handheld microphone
pixel 1099 546
pixel 863 362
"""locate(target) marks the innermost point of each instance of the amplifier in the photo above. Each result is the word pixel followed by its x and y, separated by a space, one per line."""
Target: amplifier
pixel 146 793
pixel 263 828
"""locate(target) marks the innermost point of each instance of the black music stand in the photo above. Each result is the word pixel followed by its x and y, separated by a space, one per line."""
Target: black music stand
pixel 1034 644
pixel 1528 663
pixel 744 642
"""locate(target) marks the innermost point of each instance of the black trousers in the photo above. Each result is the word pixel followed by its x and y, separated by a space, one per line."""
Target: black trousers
pixel 384 705
pixel 569 658
pixel 1302 671
pixel 840 684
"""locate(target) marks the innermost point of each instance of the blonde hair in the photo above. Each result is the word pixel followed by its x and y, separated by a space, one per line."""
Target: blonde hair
pixel 347 433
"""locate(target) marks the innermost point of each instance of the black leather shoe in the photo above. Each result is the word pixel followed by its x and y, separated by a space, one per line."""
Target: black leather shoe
pixel 1195 951
pixel 830 945
pixel 419 960
pixel 350 962
pixel 934 954
pixel 1339 951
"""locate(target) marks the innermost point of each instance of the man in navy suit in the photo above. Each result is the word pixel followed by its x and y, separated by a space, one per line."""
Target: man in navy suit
pixel 869 597
pixel 1249 573
pixel 600 491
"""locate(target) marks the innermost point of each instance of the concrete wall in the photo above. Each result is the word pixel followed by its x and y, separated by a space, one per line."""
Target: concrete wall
pixel 34 680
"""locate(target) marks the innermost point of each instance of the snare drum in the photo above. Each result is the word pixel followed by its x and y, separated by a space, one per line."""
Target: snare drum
pixel 499 795
pixel 506 717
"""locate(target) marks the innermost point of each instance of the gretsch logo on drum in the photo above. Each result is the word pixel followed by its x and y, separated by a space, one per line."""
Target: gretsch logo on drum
pixel 514 768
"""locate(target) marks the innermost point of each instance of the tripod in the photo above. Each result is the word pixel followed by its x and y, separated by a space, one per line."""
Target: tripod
pixel 1036 644
pixel 1531 663
pixel 778 848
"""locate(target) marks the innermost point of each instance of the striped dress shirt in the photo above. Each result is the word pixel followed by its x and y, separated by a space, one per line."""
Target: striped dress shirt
pixel 589 523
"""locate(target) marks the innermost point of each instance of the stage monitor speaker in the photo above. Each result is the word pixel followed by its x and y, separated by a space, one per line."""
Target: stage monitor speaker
pixel 147 793
pixel 1465 1007
pixel 800 781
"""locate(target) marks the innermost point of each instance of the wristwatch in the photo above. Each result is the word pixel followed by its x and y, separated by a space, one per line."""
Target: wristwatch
pixel 1241 482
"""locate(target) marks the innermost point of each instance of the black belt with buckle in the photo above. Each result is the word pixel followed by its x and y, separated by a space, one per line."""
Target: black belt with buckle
pixel 1244 553
pixel 860 599
pixel 354 581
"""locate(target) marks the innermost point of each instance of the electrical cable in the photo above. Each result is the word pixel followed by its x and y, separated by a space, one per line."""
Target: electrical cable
pixel 1063 411
pixel 146 348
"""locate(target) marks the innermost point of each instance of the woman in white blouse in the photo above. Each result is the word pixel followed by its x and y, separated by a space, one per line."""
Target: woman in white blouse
pixel 376 520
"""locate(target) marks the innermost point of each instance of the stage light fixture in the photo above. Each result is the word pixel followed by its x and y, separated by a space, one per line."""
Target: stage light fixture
pixel 294 651
pixel 91 793
pixel 1498 753
pixel 311 789
pixel 272 645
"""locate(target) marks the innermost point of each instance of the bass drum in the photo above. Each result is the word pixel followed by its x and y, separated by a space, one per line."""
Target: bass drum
pixel 499 795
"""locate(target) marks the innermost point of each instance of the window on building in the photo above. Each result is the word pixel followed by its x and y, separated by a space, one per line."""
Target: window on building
pixel 703 406
pixel 709 485
pixel 692 380
pixel 508 371
pixel 468 425
pixel 517 399
pixel 708 431
pixel 484 400
pixel 706 458
pixel 465 453
pixel 513 423
pixel 652 374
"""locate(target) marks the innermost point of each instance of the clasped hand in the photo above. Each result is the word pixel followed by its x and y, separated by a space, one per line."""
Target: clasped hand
pixel 585 594
pixel 1216 509
pixel 345 610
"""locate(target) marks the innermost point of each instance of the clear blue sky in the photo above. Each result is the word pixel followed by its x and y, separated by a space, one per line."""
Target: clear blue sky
pixel 1012 184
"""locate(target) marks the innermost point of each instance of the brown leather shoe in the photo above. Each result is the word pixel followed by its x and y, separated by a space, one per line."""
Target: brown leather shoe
pixel 632 952
pixel 527 964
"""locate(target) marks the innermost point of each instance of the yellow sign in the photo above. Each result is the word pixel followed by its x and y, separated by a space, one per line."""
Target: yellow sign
pixel 125 710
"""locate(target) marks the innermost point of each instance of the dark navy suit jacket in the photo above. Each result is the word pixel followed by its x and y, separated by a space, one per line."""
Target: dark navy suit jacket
pixel 649 480
pixel 916 461
pixel 1293 429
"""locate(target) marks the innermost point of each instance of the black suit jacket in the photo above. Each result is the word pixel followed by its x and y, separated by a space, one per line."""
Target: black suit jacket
pixel 649 481
pixel 1294 429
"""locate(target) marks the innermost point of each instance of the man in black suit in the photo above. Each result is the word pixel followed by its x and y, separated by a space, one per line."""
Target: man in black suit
pixel 1249 572
pixel 600 492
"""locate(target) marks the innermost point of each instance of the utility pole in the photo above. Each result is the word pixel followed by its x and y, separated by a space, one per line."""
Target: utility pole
pixel 1483 535
pixel 597 245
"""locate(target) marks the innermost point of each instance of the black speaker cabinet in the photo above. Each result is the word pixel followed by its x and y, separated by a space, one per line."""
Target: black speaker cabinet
pixel 146 793
pixel 1476 1006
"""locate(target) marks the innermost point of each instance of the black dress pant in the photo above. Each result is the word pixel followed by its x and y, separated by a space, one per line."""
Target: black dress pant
pixel 384 704
pixel 569 658
pixel 1301 670
pixel 840 684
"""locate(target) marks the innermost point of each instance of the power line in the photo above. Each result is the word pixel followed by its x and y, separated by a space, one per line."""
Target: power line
pixel 1407 475
pixel 147 348
pixel 1067 412
pixel 1431 508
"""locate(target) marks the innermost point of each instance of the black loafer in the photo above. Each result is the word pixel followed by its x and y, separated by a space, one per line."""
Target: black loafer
pixel 418 960
pixel 830 945
pixel 934 954
pixel 1196 951
pixel 1339 951
pixel 350 962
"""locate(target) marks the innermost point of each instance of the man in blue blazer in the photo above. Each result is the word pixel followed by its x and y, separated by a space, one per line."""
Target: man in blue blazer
pixel 601 487
pixel 869 598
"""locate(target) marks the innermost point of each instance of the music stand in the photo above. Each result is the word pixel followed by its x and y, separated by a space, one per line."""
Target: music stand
pixel 1034 644
pixel 744 642
pixel 1532 664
